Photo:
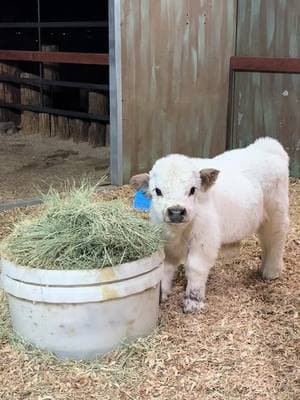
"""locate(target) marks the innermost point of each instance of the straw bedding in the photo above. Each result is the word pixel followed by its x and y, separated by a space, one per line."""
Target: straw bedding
pixel 244 346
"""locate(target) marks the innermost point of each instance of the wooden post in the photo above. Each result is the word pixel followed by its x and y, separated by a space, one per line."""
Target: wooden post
pixel 98 104
pixel 51 72
pixel 10 93
pixel 30 95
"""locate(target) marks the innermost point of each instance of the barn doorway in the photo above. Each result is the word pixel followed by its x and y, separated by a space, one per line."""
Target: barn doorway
pixel 54 91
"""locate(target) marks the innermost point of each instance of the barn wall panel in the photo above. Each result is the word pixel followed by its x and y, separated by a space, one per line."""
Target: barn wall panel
pixel 175 59
pixel 268 104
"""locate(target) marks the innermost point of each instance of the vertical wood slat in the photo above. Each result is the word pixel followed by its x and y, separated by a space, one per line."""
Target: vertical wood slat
pixel 98 103
pixel 30 95
pixel 51 72
pixel 78 130
pixel 44 124
pixel 63 127
pixel 10 93
pixel 53 125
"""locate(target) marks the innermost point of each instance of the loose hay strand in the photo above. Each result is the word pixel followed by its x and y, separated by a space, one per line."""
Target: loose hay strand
pixel 78 232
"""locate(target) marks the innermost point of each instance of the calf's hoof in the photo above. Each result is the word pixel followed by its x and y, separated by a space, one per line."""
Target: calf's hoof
pixel 192 302
pixel 270 274
pixel 192 306
pixel 163 295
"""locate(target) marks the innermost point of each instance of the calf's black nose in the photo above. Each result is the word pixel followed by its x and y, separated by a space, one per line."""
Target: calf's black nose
pixel 176 214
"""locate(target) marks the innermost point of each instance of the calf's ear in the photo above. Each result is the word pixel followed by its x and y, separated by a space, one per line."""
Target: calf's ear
pixel 140 181
pixel 208 177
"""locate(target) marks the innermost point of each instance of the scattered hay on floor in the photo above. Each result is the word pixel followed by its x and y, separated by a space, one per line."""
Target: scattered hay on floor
pixel 244 346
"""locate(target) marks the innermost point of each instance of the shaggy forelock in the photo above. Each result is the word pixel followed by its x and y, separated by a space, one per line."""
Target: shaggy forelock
pixel 173 172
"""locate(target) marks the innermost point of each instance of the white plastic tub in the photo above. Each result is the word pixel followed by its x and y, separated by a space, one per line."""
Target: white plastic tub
pixel 80 314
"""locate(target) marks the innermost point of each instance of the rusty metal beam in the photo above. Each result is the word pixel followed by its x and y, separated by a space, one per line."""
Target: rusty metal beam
pixel 287 65
pixel 55 57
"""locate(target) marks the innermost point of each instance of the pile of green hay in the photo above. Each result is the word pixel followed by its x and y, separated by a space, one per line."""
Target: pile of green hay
pixel 77 232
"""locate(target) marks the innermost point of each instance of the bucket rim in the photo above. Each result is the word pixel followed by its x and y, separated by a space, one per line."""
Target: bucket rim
pixel 71 277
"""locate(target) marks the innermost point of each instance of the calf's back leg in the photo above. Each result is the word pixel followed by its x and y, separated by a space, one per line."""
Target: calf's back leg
pixel 273 231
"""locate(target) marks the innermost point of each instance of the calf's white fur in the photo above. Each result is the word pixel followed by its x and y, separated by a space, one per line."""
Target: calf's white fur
pixel 209 203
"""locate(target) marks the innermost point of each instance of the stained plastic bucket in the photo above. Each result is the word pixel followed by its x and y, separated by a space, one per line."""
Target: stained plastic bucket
pixel 81 314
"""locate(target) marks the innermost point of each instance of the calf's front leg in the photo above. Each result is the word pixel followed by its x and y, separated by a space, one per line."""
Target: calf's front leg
pixel 197 268
pixel 174 255
pixel 169 270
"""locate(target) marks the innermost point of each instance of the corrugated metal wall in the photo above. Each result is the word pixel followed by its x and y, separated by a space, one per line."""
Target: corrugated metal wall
pixel 268 104
pixel 175 59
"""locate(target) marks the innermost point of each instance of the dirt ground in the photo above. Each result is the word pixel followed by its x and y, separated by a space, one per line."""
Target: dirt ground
pixel 31 163
pixel 244 346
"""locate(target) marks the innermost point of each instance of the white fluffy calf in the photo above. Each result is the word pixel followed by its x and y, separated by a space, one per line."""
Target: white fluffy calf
pixel 208 203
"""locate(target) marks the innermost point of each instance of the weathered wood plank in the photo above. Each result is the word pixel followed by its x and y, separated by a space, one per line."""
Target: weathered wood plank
pixel 175 62
pixel 9 92
pixel 50 72
pixel 30 96
pixel 268 104
pixel 289 65
pixel 98 103
pixel 55 57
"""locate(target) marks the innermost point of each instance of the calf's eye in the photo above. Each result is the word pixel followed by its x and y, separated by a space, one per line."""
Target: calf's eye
pixel 192 191
pixel 158 192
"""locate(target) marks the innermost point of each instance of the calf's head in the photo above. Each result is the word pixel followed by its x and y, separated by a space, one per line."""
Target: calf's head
pixel 175 185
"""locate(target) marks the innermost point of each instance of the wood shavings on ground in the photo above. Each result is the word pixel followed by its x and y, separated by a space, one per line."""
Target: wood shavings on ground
pixel 244 346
